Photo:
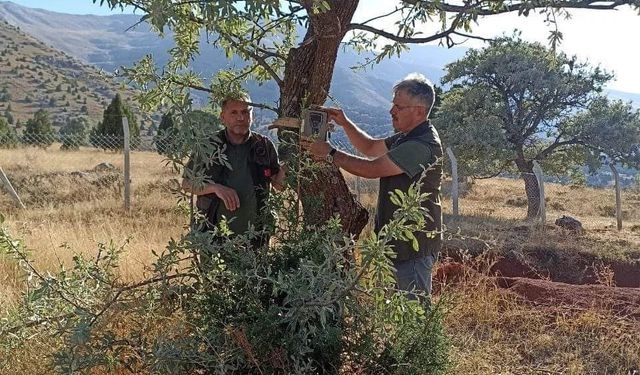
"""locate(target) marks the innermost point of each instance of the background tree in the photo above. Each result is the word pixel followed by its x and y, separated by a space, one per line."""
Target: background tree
pixel 108 133
pixel 265 35
pixel 8 136
pixel 74 133
pixel 515 102
pixel 38 130
pixel 8 115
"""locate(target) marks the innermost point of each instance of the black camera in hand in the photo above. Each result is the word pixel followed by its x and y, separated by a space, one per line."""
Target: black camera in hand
pixel 315 124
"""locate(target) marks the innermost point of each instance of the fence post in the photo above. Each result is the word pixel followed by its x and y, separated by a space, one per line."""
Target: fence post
pixel 4 181
pixel 616 178
pixel 542 213
pixel 454 181
pixel 127 181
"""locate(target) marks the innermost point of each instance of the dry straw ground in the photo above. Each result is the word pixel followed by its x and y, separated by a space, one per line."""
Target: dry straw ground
pixel 492 331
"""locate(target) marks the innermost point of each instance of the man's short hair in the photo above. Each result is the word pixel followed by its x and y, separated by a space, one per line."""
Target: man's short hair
pixel 239 96
pixel 418 87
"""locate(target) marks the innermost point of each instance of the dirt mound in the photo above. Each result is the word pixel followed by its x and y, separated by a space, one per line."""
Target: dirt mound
pixel 568 268
pixel 622 301
pixel 546 293
pixel 563 260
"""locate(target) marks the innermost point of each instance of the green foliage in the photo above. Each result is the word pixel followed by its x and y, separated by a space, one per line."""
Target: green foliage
pixel 168 139
pixel 109 133
pixel 8 115
pixel 515 102
pixel 74 133
pixel 303 306
pixel 8 136
pixel 38 130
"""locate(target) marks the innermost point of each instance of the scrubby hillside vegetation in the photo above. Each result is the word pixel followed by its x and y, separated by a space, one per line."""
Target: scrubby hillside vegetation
pixel 34 76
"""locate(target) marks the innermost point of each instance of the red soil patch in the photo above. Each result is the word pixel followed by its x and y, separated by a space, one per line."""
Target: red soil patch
pixel 577 272
pixel 509 267
pixel 450 273
pixel 548 263
pixel 622 301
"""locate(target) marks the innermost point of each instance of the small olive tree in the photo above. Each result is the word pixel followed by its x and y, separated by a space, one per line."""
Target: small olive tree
pixel 516 102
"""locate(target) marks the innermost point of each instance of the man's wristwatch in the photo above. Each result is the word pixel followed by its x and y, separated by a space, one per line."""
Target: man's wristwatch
pixel 329 157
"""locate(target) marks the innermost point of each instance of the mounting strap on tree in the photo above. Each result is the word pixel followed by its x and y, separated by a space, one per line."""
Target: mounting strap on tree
pixel 285 123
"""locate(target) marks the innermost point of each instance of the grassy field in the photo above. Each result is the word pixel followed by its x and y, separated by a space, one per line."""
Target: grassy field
pixel 492 332
pixel 66 215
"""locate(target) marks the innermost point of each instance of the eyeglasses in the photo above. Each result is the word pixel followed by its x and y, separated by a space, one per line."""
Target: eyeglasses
pixel 403 107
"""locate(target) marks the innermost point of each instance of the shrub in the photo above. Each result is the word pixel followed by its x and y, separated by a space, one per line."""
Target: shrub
pixel 8 136
pixel 74 133
pixel 38 130
pixel 303 306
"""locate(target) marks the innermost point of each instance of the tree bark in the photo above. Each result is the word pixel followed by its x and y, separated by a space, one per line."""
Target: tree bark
pixel 531 187
pixel 307 79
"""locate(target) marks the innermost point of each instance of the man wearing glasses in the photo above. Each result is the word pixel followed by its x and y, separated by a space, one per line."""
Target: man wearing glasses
pixel 399 161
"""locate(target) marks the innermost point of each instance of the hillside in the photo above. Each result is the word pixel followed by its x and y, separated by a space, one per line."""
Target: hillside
pixel 110 42
pixel 34 76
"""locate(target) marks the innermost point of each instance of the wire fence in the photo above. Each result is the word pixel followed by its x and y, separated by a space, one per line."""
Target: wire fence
pixel 99 141
pixel 154 143
pixel 163 144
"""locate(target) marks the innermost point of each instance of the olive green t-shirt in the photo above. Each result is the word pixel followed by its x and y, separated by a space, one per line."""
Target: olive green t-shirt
pixel 239 179
pixel 414 152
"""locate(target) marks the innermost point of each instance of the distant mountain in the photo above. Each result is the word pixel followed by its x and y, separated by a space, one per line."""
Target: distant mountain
pixel 109 42
pixel 34 76
pixel 625 96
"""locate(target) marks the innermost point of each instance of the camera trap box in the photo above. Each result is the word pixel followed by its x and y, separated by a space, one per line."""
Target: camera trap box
pixel 315 124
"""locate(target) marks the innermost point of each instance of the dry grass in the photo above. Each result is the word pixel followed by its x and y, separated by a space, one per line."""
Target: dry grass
pixel 494 333
pixel 491 331
pixel 55 231
pixel 595 207
pixel 497 203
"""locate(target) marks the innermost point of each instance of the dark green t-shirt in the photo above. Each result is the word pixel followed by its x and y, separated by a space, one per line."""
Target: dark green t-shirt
pixel 252 165
pixel 239 179
pixel 413 152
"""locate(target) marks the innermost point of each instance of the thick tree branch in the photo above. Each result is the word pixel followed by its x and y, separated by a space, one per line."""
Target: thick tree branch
pixel 206 89
pixel 480 9
pixel 553 147
pixel 500 170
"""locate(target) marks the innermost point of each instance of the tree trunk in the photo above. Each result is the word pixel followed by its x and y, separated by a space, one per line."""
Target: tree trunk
pixel 531 187
pixel 307 79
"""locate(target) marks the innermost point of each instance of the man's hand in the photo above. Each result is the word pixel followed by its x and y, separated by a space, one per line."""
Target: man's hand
pixel 337 115
pixel 227 195
pixel 318 149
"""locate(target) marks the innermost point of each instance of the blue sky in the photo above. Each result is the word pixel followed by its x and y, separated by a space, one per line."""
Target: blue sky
pixel 600 37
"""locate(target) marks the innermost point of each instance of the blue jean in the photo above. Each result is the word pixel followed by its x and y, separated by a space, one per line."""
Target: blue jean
pixel 414 275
